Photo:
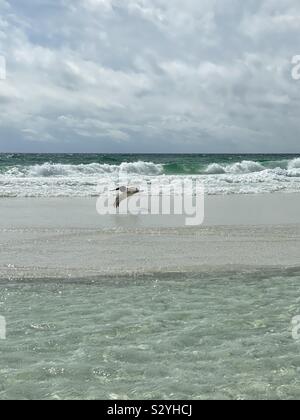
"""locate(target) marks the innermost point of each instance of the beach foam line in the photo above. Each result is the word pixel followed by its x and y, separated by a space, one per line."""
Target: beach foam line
pixel 50 169
pixel 244 167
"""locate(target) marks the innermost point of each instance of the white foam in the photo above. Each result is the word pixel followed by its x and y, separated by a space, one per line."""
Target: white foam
pixel 56 180
pixel 243 167
pixel 215 168
pixel 294 164
pixel 94 169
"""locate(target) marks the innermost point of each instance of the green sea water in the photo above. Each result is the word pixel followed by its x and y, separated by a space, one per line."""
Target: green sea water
pixel 193 336
pixel 69 175
pixel 173 164
pixel 222 335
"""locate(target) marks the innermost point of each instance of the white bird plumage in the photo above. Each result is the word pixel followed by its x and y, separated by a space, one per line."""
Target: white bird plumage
pixel 124 193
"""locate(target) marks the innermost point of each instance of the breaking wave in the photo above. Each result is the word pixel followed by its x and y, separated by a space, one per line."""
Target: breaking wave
pixel 93 169
pixel 50 169
pixel 243 167
pixel 82 179
pixel 294 164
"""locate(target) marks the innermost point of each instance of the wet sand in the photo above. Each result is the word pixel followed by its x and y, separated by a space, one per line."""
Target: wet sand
pixel 66 238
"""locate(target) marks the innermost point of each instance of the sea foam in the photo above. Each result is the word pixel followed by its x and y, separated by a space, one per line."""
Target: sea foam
pixel 51 179
pixel 243 167
pixel 49 169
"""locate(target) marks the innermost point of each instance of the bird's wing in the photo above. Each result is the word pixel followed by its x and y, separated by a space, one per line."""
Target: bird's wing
pixel 125 193
pixel 132 191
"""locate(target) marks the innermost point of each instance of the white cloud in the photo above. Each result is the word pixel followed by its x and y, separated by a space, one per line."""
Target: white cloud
pixel 149 75
pixel 97 5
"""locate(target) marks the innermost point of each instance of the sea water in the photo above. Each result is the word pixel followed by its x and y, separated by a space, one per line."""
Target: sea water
pixel 80 175
pixel 209 335
pixel 171 336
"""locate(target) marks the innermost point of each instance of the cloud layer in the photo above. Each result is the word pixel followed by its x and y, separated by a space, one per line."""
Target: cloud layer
pixel 149 76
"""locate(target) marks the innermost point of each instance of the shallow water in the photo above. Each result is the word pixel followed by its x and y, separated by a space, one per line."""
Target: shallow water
pixel 203 336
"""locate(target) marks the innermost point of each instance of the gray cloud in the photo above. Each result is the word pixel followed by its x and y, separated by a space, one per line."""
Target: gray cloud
pixel 149 76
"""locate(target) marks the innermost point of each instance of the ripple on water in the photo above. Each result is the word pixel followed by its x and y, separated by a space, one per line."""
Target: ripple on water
pixel 208 336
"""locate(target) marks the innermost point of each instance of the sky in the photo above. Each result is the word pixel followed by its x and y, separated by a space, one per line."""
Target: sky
pixel 149 76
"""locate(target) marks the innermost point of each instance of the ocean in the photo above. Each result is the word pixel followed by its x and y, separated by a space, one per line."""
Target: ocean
pixel 80 175
pixel 114 308
pixel 174 336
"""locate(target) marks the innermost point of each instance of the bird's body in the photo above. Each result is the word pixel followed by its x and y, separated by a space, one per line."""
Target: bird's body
pixel 124 193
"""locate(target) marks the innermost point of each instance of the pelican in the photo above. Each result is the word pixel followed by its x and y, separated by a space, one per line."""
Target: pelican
pixel 124 193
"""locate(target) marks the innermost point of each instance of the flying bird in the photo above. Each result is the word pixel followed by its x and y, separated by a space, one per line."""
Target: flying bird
pixel 124 193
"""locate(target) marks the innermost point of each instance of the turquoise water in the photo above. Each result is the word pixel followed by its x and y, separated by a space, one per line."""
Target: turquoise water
pixel 225 335
pixel 172 164
pixel 80 175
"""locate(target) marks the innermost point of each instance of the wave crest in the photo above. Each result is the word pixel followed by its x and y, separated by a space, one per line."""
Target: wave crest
pixel 244 167
pixel 49 169
pixel 294 164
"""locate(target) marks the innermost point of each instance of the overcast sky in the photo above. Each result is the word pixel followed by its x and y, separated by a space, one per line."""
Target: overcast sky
pixel 149 76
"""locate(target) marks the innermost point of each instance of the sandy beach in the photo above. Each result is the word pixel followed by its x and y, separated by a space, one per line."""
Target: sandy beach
pixel 67 238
